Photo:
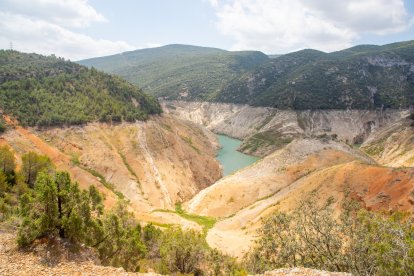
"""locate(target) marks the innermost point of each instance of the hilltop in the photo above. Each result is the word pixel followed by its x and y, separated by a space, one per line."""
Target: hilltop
pixel 176 71
pixel 361 77
pixel 45 91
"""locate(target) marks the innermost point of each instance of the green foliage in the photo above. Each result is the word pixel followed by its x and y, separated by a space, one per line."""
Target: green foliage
pixel 47 91
pixel 56 206
pixel 182 251
pixel 219 264
pixel 186 252
pixel 179 69
pixel 11 185
pixel 3 183
pixel 359 78
pixel 7 160
pixel 151 236
pixel 362 77
pixel 265 139
pixel 103 180
pixel 206 222
pixel 359 241
pixel 121 244
pixel 2 125
pixel 32 164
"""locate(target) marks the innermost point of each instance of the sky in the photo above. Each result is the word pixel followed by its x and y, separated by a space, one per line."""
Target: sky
pixel 79 29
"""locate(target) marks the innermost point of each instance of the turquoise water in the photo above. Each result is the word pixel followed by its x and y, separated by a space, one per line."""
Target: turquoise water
pixel 230 158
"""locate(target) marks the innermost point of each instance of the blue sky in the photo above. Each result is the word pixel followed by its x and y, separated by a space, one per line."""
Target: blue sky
pixel 79 29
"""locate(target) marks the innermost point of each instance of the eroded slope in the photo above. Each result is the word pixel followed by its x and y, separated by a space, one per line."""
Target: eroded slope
pixel 264 130
pixel 153 164
pixel 282 179
pixel 393 145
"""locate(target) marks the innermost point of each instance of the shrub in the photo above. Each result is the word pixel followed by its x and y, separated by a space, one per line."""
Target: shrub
pixel 359 241
pixel 182 251
pixel 56 206
pixel 120 242
pixel 32 164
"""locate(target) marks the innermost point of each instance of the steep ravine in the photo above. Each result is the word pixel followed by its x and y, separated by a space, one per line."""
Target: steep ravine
pixel 264 130
pixel 303 151
pixel 153 164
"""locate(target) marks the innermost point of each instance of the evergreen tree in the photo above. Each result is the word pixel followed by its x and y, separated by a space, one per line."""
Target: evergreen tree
pixel 57 207
pixel 121 244
pixel 7 160
pixel 34 163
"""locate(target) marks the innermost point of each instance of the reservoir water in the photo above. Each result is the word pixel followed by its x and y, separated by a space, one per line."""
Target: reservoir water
pixel 230 158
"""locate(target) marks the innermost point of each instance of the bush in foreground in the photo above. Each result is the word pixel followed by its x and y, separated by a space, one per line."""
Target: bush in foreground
pixel 359 241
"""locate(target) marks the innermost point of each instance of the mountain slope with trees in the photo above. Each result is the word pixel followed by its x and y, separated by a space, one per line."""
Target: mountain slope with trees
pixel 45 91
pixel 175 71
pixel 361 77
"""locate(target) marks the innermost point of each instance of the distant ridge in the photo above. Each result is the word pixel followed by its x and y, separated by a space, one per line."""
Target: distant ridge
pixel 361 77
pixel 175 71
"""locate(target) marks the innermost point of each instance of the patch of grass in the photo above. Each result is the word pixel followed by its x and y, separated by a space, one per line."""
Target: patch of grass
pixel 131 171
pixel 189 141
pixel 74 158
pixel 374 150
pixel 265 139
pixel 102 179
pixel 206 222
pixel 164 225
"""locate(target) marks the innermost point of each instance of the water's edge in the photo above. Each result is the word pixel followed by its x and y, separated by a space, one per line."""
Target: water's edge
pixel 231 159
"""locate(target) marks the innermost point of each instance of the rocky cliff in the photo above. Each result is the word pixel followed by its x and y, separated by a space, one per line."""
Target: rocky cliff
pixel 264 130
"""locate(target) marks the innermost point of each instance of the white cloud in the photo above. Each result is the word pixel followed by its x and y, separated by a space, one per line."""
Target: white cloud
pixel 29 35
pixel 374 16
pixel 279 26
pixel 73 13
pixel 214 3
pixel 53 27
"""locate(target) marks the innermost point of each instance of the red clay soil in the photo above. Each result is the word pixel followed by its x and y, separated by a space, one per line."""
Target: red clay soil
pixel 61 161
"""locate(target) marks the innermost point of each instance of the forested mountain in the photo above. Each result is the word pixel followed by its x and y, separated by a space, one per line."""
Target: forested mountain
pixel 180 71
pixel 45 91
pixel 361 77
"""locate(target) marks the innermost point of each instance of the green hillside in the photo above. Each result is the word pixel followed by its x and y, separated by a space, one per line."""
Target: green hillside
pixel 180 71
pixel 361 77
pixel 46 91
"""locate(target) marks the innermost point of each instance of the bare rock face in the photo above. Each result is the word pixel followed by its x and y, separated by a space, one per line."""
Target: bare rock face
pixel 264 130
pixel 392 145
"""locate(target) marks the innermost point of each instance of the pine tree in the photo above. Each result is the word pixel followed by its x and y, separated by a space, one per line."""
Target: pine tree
pixel 57 207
